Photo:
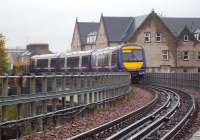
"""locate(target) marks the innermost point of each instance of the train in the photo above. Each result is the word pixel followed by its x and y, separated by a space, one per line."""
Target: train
pixel 129 57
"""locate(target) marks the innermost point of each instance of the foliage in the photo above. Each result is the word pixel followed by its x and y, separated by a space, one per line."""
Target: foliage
pixel 4 64
pixel 11 112
pixel 19 66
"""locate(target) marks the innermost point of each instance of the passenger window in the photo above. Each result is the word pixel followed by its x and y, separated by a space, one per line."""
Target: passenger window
pixel 114 59
pixel 72 62
pixel 53 62
pixel 85 60
pixel 42 63
pixel 61 62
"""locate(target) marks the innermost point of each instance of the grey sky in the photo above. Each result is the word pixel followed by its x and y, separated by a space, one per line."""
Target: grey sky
pixel 52 21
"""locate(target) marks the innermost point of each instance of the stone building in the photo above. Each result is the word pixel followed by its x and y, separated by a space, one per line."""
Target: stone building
pixel 172 44
pixel 34 49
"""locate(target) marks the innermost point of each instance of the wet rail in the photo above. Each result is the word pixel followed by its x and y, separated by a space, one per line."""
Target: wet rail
pixel 173 110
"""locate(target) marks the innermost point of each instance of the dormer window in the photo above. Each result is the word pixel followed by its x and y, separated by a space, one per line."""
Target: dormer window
pixel 158 37
pixel 91 38
pixel 186 38
pixel 197 36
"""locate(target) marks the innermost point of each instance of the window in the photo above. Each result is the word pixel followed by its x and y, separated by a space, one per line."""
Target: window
pixel 61 62
pixel 42 63
pixel 185 55
pixel 91 38
pixel 114 58
pixel 198 57
pixel 184 70
pixel 186 38
pixel 133 56
pixel 158 37
pixel 85 61
pixel 197 36
pixel 165 55
pixel 53 62
pixel 147 37
pixel 72 62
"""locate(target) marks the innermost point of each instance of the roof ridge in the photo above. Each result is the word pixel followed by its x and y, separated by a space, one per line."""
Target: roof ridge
pixel 181 17
pixel 117 17
pixel 88 22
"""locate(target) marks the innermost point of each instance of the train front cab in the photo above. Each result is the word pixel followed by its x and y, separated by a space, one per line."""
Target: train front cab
pixel 132 59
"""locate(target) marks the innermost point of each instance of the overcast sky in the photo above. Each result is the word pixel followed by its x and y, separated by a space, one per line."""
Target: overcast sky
pixel 52 21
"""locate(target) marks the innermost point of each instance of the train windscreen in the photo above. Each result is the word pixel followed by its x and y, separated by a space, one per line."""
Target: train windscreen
pixel 133 56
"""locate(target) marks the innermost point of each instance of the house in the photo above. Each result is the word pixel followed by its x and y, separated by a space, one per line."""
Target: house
pixel 172 44
pixel 34 49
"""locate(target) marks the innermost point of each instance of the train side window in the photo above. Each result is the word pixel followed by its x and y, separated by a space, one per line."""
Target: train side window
pixel 85 60
pixel 53 62
pixel 105 60
pixel 42 63
pixel 73 62
pixel 114 59
pixel 62 62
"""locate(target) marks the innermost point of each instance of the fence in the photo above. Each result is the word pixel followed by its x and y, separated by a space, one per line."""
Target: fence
pixel 181 80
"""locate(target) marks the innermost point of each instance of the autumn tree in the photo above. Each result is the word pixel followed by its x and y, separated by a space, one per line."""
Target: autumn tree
pixel 4 65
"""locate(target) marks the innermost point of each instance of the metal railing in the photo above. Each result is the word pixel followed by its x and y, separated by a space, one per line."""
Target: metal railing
pixel 176 80
pixel 34 97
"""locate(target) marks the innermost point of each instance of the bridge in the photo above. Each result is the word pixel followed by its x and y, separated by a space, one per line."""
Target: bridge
pixel 41 102
pixel 34 99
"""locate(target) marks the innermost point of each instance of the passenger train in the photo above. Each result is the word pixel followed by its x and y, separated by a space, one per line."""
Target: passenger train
pixel 125 58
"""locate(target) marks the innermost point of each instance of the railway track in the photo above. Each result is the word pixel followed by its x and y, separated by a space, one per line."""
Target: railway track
pixel 163 118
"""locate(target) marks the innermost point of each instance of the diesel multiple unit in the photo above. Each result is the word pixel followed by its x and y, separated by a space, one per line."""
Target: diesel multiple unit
pixel 126 57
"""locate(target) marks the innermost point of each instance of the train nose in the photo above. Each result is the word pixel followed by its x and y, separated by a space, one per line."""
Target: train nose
pixel 133 65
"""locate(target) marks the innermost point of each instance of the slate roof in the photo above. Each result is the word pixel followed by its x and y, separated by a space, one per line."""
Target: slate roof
pixel 176 25
pixel 116 27
pixel 85 28
pixel 119 29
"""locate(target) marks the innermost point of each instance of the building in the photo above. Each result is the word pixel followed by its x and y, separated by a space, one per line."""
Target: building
pixel 34 49
pixel 172 44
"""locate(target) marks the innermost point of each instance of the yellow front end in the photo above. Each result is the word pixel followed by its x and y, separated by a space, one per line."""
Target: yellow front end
pixel 132 66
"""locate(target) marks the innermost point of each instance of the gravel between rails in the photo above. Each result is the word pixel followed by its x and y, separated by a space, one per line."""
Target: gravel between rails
pixel 139 98
pixel 191 129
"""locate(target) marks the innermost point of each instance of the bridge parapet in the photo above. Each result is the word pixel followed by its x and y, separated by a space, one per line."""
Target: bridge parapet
pixel 37 96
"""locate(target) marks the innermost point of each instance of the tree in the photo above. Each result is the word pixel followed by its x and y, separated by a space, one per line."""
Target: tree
pixel 4 65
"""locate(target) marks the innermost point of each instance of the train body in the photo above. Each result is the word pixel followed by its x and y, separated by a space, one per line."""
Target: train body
pixel 126 58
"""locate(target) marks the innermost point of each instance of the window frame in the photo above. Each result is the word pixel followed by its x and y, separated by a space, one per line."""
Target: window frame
pixel 184 59
pixel 160 36
pixel 147 35
pixel 165 54
pixel 198 55
pixel 184 38
pixel 197 36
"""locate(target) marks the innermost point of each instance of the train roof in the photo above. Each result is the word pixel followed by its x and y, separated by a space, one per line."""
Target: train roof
pixel 45 56
pixel 106 50
pixel 78 53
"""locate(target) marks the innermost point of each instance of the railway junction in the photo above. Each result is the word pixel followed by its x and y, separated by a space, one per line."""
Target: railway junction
pixel 101 105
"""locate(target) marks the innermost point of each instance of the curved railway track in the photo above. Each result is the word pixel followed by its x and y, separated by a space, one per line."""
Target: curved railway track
pixel 162 118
